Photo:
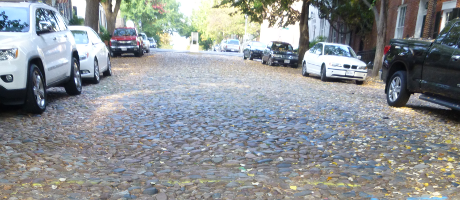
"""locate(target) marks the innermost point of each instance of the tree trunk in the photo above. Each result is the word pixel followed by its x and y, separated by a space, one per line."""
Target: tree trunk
pixel 92 14
pixel 111 14
pixel 304 39
pixel 381 33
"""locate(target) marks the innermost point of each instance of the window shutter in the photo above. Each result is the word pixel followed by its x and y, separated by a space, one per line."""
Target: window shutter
pixel 437 22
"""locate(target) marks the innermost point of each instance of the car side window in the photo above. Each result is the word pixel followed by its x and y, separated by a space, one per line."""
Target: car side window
pixel 61 22
pixel 94 37
pixel 319 49
pixel 452 37
pixel 313 49
pixel 52 19
pixel 43 23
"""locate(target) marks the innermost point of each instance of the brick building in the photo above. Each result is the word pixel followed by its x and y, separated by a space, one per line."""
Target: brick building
pixel 414 19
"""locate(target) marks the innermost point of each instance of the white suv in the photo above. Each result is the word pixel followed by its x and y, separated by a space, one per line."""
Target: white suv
pixel 37 51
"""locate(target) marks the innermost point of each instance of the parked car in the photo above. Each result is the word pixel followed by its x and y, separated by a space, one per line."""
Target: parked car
pixel 153 43
pixel 216 47
pixel 254 50
pixel 37 52
pixel 145 42
pixel 94 55
pixel 230 46
pixel 126 40
pixel 279 53
pixel 337 61
pixel 430 67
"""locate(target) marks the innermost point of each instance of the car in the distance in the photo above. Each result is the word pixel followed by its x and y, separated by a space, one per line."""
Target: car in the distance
pixel 126 40
pixel 254 50
pixel 37 52
pixel 153 43
pixel 230 45
pixel 279 53
pixel 94 55
pixel 145 42
pixel 330 60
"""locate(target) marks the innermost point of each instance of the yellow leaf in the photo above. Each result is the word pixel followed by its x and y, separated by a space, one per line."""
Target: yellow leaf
pixel 329 178
pixel 448 141
pixel 426 184
pixel 439 158
pixel 451 176
pixel 293 187
pixel 450 159
pixel 408 147
pixel 334 163
pixel 250 174
pixel 443 170
pixel 331 173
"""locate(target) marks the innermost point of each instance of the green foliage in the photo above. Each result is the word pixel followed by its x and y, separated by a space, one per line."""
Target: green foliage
pixel 76 21
pixel 316 40
pixel 104 34
pixel 353 13
pixel 215 24
pixel 277 12
pixel 157 17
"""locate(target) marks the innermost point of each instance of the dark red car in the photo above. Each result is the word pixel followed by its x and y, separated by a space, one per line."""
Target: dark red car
pixel 126 40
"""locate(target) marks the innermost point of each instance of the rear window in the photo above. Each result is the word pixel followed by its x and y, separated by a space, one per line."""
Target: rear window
pixel 234 42
pixel 14 19
pixel 81 37
pixel 124 32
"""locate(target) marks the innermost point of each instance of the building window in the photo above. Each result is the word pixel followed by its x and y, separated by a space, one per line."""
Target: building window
pixel 400 22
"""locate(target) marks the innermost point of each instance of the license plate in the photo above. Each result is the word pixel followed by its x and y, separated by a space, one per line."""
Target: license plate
pixel 350 73
pixel 287 61
pixel 124 49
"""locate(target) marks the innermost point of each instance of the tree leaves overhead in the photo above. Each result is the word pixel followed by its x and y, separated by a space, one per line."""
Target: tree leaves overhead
pixel 353 13
pixel 277 12
pixel 157 16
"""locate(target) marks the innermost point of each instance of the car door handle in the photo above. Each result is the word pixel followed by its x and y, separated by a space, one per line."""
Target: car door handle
pixel 55 38
pixel 455 57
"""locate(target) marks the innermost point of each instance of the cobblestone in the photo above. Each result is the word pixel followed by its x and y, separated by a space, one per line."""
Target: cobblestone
pixel 184 126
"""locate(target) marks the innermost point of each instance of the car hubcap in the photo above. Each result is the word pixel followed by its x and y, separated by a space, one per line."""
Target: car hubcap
pixel 109 66
pixel 96 71
pixel 395 89
pixel 39 89
pixel 77 77
pixel 304 69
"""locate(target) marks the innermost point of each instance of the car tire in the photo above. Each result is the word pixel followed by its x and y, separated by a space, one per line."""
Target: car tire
pixel 250 56
pixel 244 56
pixel 323 73
pixel 262 60
pixel 304 69
pixel 270 62
pixel 36 98
pixel 148 50
pixel 73 87
pixel 397 94
pixel 359 82
pixel 108 71
pixel 96 73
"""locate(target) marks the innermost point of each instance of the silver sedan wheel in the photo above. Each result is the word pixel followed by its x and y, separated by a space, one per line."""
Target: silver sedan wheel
pixel 395 89
pixel 96 71
pixel 39 89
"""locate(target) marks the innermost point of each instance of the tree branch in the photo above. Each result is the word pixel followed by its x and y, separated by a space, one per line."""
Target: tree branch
pixel 374 10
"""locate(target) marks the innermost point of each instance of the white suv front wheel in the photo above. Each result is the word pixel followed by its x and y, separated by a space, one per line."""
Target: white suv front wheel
pixel 73 87
pixel 36 99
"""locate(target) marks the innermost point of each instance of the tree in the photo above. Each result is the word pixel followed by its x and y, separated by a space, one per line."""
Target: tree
pixel 278 12
pixel 157 16
pixel 92 14
pixel 111 13
pixel 381 22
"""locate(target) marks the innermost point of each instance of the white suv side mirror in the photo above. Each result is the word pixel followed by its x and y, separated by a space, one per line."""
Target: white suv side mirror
pixel 359 57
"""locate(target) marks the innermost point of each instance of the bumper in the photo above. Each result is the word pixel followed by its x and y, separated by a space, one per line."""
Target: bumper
pixel 346 74
pixel 12 97
pixel 87 68
pixel 284 61
pixel 232 50
pixel 124 49
pixel 256 54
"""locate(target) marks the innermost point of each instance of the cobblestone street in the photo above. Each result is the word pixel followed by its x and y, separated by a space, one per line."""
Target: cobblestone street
pixel 175 125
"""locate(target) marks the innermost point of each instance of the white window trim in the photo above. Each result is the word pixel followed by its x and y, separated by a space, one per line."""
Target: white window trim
pixel 421 12
pixel 397 20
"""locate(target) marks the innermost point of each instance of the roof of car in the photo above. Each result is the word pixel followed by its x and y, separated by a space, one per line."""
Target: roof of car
pixel 125 28
pixel 80 28
pixel 23 4
pixel 329 43
pixel 280 42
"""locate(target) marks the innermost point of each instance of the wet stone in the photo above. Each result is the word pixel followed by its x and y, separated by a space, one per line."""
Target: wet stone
pixel 150 191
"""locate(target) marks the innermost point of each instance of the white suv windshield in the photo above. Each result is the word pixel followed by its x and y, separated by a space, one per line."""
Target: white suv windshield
pixel 14 19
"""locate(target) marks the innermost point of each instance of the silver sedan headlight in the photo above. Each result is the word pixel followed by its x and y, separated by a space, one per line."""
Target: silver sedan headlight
pixel 9 54
pixel 84 56
pixel 362 67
